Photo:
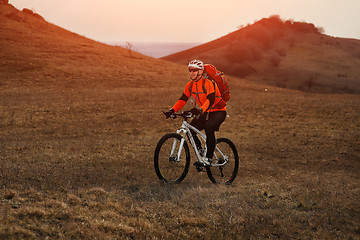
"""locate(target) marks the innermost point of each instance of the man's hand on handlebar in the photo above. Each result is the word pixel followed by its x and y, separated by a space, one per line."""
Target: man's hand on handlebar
pixel 169 113
pixel 196 111
pixel 185 114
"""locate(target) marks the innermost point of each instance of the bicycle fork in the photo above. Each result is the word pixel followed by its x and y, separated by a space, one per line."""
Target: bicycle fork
pixel 173 149
pixel 192 142
pixel 177 156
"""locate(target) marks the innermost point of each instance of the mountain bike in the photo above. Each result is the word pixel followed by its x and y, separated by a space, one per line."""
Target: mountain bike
pixel 172 155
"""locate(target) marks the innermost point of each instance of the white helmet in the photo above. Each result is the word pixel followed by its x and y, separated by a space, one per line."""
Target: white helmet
pixel 196 64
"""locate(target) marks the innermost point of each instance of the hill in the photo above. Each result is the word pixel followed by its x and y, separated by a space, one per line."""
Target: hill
pixel 33 53
pixel 286 54
pixel 79 122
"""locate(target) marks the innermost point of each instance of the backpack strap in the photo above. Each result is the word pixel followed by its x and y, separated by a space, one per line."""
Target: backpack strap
pixel 220 104
pixel 219 73
pixel 197 93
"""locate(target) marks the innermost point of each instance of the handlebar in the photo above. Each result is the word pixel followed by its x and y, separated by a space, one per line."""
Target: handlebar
pixel 185 115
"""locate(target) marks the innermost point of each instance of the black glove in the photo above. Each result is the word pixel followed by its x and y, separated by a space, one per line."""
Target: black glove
pixel 196 111
pixel 169 113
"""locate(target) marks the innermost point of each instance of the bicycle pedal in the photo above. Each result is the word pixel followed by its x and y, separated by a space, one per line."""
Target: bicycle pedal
pixel 199 169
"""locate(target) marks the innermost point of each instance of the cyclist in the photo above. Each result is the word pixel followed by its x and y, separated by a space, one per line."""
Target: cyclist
pixel 211 112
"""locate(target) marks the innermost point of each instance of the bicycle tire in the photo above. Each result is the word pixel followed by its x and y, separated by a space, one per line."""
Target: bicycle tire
pixel 225 174
pixel 167 168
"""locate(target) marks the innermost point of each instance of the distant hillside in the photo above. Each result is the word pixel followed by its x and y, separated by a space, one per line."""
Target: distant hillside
pixel 286 54
pixel 37 53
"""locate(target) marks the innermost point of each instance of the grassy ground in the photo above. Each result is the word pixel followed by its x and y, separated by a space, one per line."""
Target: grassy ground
pixel 79 122
pixel 78 163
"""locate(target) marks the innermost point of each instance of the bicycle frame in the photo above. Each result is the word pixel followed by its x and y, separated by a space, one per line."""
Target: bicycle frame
pixel 185 131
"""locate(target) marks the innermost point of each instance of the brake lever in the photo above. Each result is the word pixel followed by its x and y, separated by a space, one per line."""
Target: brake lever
pixel 171 116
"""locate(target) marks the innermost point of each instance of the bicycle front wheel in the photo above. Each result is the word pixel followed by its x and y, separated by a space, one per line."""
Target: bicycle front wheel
pixel 226 162
pixel 171 161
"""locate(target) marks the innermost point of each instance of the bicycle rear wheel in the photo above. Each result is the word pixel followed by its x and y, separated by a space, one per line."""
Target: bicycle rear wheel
pixel 168 166
pixel 225 153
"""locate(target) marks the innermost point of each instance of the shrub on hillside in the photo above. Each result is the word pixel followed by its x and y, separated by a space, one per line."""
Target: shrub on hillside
pixel 272 23
pixel 302 26
pixel 30 12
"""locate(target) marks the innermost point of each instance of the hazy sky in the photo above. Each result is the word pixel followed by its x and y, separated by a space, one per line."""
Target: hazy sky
pixel 188 20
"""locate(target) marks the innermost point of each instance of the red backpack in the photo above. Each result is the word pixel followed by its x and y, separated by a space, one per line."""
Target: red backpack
pixel 219 78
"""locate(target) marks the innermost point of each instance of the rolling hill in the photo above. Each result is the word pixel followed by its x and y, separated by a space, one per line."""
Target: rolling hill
pixel 79 122
pixel 286 54
pixel 33 53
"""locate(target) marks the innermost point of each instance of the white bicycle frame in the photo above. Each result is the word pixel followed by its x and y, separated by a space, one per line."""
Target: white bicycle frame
pixel 185 130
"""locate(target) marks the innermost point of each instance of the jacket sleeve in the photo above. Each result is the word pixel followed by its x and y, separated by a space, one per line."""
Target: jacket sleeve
pixel 183 99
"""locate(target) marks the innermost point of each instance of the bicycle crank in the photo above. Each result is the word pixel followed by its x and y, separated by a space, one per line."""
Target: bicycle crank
pixel 221 171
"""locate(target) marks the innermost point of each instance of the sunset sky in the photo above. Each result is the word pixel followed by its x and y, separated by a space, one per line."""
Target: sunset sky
pixel 188 20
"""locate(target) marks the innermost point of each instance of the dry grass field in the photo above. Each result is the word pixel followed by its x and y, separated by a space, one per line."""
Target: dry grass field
pixel 79 124
pixel 79 164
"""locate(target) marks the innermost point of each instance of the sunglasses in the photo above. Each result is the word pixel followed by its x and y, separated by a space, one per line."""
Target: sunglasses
pixel 193 70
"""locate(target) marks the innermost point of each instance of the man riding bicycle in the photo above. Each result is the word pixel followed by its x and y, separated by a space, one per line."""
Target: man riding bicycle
pixel 211 112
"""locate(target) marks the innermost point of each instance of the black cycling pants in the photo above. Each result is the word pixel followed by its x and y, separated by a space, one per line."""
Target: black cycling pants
pixel 211 124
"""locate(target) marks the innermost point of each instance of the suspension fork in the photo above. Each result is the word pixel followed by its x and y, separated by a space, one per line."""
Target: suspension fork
pixel 182 141
pixel 178 154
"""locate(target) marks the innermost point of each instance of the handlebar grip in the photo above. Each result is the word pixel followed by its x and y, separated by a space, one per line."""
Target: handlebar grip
pixel 184 114
pixel 169 116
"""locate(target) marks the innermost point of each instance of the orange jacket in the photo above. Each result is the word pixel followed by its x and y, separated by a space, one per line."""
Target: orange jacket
pixel 206 94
